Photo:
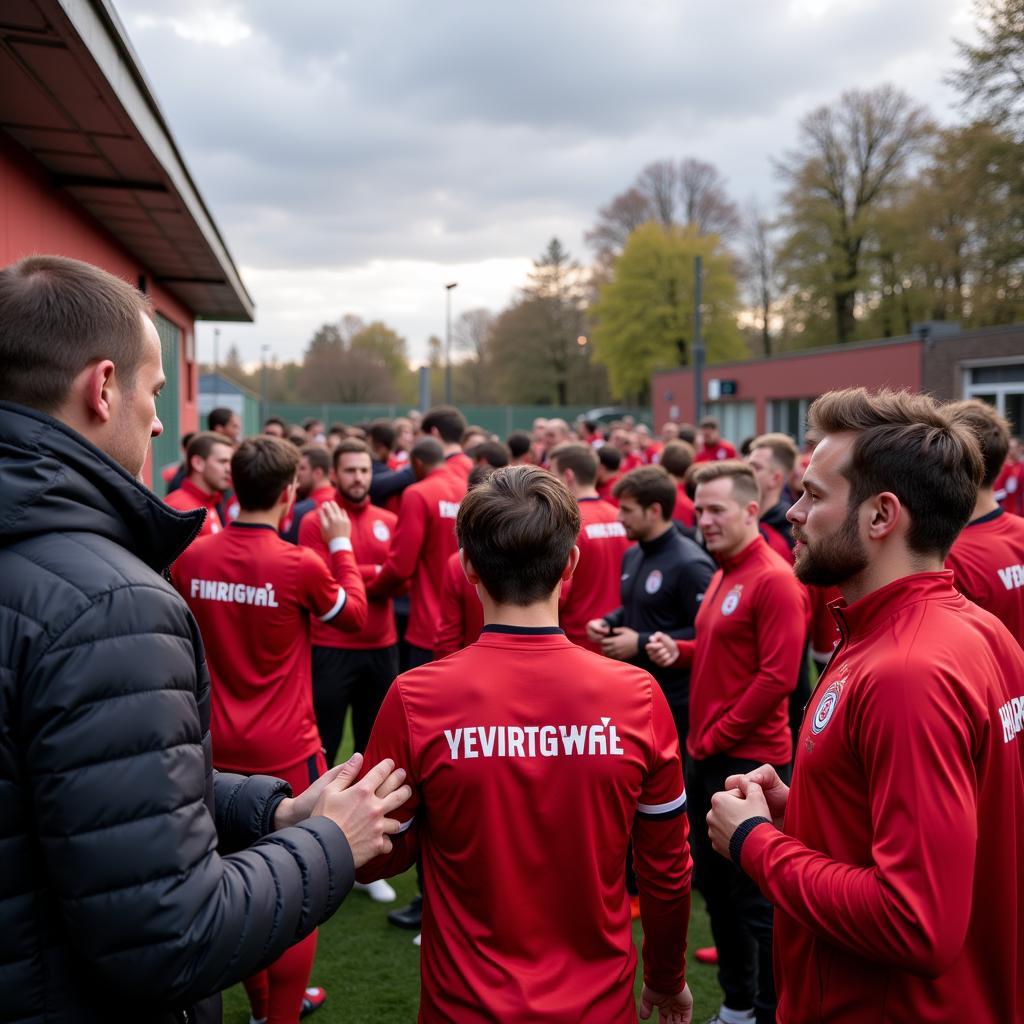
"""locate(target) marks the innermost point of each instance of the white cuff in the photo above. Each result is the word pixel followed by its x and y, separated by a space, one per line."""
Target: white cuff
pixel 340 544
pixel 338 605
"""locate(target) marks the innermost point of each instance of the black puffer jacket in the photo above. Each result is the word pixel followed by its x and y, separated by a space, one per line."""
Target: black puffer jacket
pixel 116 902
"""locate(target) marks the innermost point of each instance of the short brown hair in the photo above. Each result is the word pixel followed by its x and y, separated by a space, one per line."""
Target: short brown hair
pixel 677 457
pixel 317 456
pixel 782 447
pixel 200 446
pixel 58 316
pixel 447 421
pixel 744 483
pixel 580 458
pixel 351 446
pixel 649 485
pixel 991 430
pixel 261 469
pixel 907 444
pixel 517 529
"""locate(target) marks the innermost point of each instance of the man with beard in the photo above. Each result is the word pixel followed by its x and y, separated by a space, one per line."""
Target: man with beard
pixel 315 487
pixel 751 633
pixel 894 862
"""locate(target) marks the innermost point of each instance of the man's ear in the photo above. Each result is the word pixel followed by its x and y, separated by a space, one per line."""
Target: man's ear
pixel 570 565
pixel 96 384
pixel 467 568
pixel 885 515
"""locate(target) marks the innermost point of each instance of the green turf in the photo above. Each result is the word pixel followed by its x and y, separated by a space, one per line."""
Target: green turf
pixel 370 969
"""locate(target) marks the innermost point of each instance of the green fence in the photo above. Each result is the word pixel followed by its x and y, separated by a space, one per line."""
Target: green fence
pixel 498 419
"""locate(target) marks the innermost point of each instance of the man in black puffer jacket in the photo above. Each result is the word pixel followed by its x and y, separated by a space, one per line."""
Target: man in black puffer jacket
pixel 136 883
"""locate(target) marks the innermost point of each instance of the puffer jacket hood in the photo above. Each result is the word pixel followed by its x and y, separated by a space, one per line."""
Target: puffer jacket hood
pixel 55 480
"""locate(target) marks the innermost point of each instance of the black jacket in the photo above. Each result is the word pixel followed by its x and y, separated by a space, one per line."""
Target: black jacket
pixel 120 898
pixel 663 583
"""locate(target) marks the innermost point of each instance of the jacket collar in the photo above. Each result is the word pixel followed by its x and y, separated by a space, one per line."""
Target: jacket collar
pixel 756 547
pixel 875 609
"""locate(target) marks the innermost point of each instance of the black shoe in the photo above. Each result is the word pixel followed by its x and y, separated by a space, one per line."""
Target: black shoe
pixel 408 917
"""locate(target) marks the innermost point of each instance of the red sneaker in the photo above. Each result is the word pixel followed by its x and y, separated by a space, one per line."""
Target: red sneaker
pixel 707 955
pixel 634 908
pixel 314 998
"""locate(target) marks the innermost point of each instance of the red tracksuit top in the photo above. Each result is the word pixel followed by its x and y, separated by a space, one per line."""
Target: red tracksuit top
pixel 987 560
pixel 462 614
pixel 372 530
pixel 751 635
pixel 532 762
pixel 899 874
pixel 720 450
pixel 252 594
pixel 188 497
pixel 460 464
pixel 684 511
pixel 424 541
pixel 594 587
pixel 1009 487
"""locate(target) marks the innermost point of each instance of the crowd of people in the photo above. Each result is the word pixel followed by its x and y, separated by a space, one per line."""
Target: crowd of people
pixel 580 666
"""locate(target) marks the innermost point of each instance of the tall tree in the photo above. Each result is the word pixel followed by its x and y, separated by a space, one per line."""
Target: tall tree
pixel 991 78
pixel 644 318
pixel 471 335
pixel 760 273
pixel 853 157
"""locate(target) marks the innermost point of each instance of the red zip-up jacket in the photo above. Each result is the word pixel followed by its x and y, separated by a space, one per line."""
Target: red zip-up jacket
pixel 532 763
pixel 987 560
pixel 462 614
pixel 188 497
pixel 898 877
pixel 594 587
pixel 684 512
pixel 424 541
pixel 751 633
pixel 372 530
pixel 460 464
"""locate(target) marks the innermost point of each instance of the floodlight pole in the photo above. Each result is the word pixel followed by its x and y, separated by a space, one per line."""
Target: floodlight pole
pixel 698 344
pixel 448 343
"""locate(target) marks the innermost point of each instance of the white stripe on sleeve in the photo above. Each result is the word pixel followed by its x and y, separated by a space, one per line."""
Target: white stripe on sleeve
pixel 338 605
pixel 405 825
pixel 657 810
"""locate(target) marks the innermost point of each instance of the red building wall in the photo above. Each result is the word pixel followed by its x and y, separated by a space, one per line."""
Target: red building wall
pixel 894 364
pixel 36 219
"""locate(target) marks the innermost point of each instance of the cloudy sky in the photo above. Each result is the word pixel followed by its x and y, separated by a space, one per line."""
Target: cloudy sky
pixel 358 156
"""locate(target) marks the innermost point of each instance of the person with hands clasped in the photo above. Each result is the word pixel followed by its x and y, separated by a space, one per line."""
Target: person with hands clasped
pixel 896 859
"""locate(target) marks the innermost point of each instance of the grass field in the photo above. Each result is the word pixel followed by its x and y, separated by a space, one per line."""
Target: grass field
pixel 371 970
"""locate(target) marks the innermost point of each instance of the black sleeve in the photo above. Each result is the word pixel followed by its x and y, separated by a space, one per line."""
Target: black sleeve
pixel 389 483
pixel 118 774
pixel 693 580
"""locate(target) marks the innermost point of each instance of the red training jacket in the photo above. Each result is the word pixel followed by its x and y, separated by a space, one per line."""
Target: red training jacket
pixel 897 877
pixel 684 511
pixel 462 614
pixel 532 762
pixel 188 497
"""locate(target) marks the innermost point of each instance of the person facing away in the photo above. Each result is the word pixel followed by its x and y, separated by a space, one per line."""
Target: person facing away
pixel 532 763
pixel 137 882
pixel 895 861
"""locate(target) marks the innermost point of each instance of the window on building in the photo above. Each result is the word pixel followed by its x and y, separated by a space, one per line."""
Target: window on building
pixel 789 416
pixel 736 420
pixel 1001 385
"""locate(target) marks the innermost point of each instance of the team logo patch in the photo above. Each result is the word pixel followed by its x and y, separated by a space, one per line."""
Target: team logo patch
pixel 381 531
pixel 653 582
pixel 732 599
pixel 826 706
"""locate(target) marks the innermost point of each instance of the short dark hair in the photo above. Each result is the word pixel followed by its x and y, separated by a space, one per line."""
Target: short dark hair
pixel 261 468
pixel 580 458
pixel 677 457
pixel 709 422
pixel 609 456
pixel 991 430
pixel 200 445
pixel 428 451
pixel 317 456
pixel 383 432
pixel 519 443
pixel 307 423
pixel 276 419
pixel 58 316
pixel 351 446
pixel 494 453
pixel 907 444
pixel 478 474
pixel 447 421
pixel 219 417
pixel 649 485
pixel 517 530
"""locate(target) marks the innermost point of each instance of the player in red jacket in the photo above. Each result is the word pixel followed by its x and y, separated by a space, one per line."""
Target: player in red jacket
pixel 447 426
pixel 594 587
pixel 208 458
pixel 895 860
pixel 987 558
pixel 676 458
pixel 713 447
pixel 532 762
pixel 253 594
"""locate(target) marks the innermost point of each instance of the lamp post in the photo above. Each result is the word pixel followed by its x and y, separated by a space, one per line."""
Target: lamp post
pixel 216 366
pixel 264 349
pixel 448 343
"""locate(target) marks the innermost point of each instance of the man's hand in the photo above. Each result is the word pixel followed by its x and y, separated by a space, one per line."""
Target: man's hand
pixel 597 630
pixel 291 811
pixel 361 810
pixel 662 650
pixel 776 792
pixel 729 810
pixel 672 1009
pixel 334 522
pixel 622 644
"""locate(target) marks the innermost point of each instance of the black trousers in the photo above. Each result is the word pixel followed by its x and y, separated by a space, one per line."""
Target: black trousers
pixel 741 918
pixel 356 679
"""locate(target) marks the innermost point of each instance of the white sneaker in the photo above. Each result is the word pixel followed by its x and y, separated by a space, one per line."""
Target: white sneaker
pixel 727 1016
pixel 416 941
pixel 379 891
